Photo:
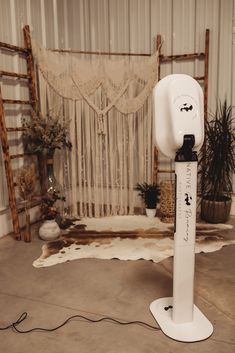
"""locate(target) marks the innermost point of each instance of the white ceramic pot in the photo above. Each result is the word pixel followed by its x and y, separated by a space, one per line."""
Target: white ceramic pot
pixel 151 212
pixel 49 230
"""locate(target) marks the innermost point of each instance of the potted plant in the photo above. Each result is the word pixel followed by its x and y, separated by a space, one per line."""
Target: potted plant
pixel 217 165
pixel 150 195
pixel 50 230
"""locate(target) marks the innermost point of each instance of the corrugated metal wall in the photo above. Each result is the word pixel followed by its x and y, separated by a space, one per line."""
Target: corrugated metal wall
pixel 130 25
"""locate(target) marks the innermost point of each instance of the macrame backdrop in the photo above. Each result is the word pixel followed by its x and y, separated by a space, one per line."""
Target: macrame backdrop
pixel 108 102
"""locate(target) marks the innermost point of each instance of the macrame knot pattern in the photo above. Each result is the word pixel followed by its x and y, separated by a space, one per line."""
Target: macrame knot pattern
pixel 126 82
pixel 101 128
pixel 108 102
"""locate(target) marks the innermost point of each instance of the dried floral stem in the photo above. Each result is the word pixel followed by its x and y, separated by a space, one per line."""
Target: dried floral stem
pixel 26 181
pixel 45 132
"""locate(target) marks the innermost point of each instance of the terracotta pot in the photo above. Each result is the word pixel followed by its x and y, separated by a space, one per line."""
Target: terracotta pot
pixel 49 230
pixel 215 211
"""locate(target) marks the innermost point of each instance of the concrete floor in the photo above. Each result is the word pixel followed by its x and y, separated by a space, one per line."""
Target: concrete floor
pixel 121 289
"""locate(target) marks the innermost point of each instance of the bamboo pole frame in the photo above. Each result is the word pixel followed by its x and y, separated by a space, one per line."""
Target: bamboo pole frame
pixel 181 57
pixel 30 69
pixel 98 52
pixel 16 101
pixel 30 77
pixel 13 48
pixel 20 155
pixel 14 74
pixel 206 73
pixel 15 129
pixel 155 151
pixel 9 173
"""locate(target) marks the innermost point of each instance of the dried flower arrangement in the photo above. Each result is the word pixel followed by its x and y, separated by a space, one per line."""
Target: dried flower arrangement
pixel 45 132
pixel 48 209
pixel 43 135
pixel 26 182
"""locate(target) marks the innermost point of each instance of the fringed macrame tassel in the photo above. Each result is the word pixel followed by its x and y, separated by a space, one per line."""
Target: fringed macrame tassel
pixel 101 125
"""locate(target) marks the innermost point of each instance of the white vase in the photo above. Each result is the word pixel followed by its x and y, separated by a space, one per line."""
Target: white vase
pixel 49 230
pixel 151 212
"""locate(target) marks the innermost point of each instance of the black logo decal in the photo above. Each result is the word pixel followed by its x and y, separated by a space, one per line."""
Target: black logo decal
pixel 188 199
pixel 186 107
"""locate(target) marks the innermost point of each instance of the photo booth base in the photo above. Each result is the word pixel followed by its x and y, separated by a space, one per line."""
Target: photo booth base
pixel 197 330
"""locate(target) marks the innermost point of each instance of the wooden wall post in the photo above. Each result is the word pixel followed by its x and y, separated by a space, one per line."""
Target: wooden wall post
pixel 33 94
pixel 159 45
pixel 155 152
pixel 30 69
pixel 31 78
pixel 206 73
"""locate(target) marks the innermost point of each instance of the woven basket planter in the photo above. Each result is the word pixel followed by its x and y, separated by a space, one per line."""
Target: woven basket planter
pixel 214 211
pixel 167 201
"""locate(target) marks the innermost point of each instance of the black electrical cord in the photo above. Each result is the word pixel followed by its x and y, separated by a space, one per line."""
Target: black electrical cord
pixel 23 316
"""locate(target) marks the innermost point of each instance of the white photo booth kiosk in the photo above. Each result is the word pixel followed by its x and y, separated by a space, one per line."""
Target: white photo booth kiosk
pixel 179 134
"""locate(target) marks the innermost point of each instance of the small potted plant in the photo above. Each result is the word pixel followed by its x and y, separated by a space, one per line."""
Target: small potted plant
pixel 217 165
pixel 150 195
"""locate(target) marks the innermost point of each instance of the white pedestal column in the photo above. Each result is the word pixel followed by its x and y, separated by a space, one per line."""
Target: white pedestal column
pixel 178 317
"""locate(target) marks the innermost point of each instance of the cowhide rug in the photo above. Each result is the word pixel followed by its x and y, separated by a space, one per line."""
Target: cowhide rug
pixel 126 238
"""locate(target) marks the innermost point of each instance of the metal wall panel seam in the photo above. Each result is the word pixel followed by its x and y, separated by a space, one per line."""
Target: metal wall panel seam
pixel 55 26
pixel 233 59
pixel 29 17
pixel 225 40
pixel 66 34
pixel 43 23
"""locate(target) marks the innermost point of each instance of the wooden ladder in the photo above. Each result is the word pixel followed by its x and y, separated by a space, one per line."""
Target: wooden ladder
pixel 26 52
